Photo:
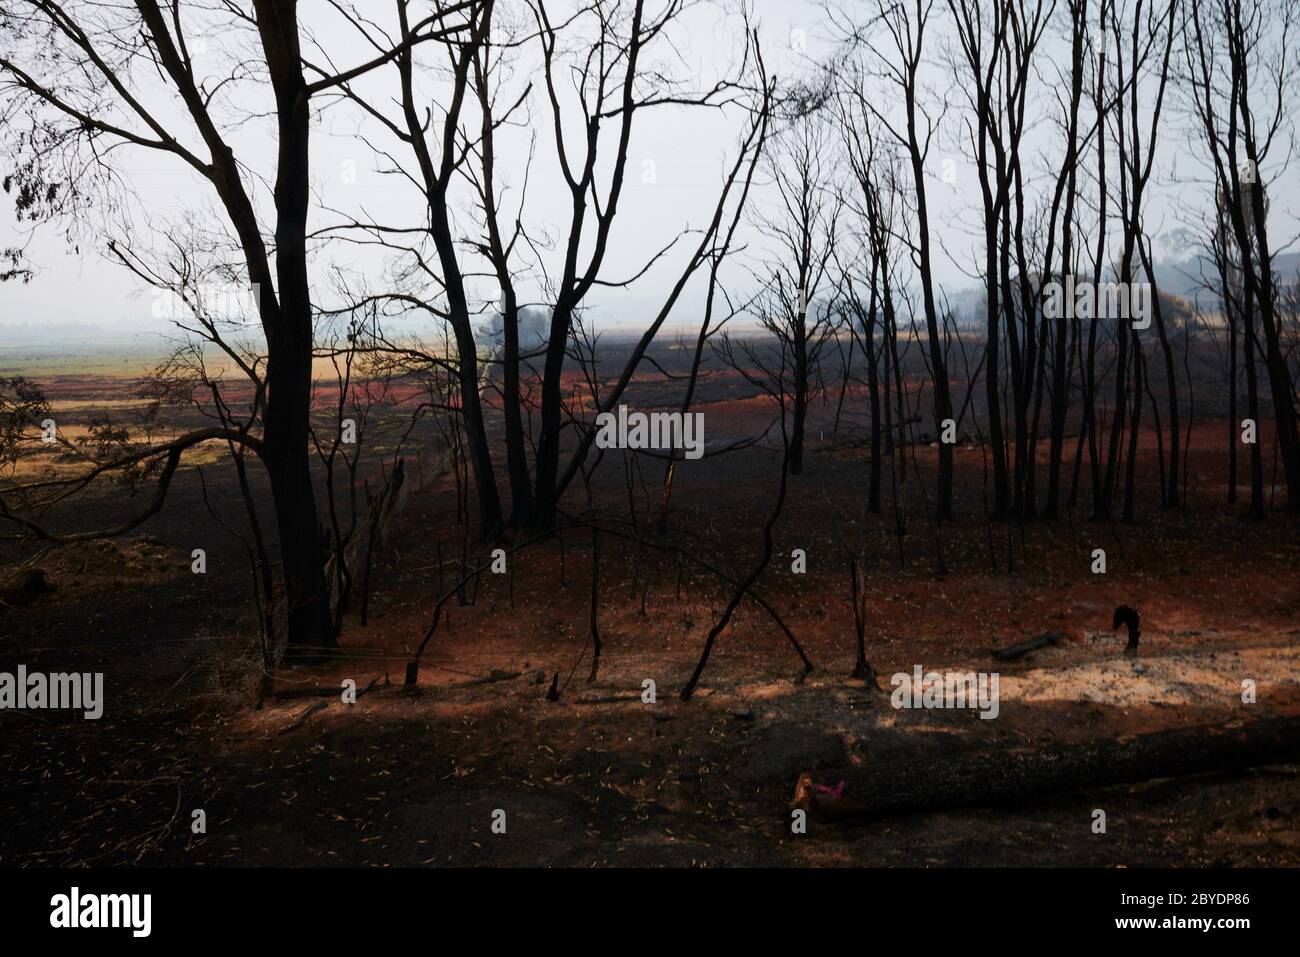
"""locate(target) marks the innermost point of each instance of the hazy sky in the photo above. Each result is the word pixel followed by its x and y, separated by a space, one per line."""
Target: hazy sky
pixel 676 163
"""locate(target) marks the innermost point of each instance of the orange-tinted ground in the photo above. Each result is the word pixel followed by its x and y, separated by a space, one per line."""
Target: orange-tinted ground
pixel 410 776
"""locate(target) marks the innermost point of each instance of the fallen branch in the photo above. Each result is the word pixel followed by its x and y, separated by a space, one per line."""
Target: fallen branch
pixel 1007 777
pixel 609 699
pixel 1012 652
pixel 307 713
pixel 173 450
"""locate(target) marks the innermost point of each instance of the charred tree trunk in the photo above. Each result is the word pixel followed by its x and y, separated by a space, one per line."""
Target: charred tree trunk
pixel 938 364
pixel 435 176
pixel 1130 467
pixel 480 456
pixel 873 387
pixel 521 489
pixel 548 441
pixel 1252 404
pixel 1061 355
pixel 862 669
pixel 595 602
pixel 1233 424
pixel 1170 484
pixel 799 413
pixel 289 343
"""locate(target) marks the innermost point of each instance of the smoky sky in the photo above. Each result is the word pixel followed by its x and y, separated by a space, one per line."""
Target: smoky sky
pixel 677 160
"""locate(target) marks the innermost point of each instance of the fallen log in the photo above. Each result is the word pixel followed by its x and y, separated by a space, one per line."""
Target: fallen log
pixel 1012 652
pixel 1009 776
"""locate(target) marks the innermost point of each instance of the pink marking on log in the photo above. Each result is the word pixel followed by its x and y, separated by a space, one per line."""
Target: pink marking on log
pixel 837 791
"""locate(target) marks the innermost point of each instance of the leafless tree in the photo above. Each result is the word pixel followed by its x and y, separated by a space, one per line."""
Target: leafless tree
pixel 1240 74
pixel 891 38
pixel 80 82
pixel 803 232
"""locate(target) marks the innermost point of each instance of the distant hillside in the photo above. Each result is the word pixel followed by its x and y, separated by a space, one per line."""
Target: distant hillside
pixel 1196 278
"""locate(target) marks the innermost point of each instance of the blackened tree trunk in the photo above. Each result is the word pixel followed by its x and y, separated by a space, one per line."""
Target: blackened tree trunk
pixel 1252 402
pixel 435 177
pixel 981 82
pixel 1279 378
pixel 1170 485
pixel 485 484
pixel 1016 361
pixel 1241 119
pixel 873 386
pixel 800 411
pixel 521 489
pixel 1088 427
pixel 1230 312
pixel 289 341
pixel 548 441
pixel 94 91
pixel 1130 467
pixel 938 363
pixel 498 250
